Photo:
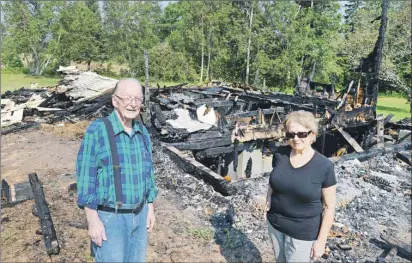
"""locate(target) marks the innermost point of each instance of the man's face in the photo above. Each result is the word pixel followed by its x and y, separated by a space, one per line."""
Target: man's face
pixel 128 100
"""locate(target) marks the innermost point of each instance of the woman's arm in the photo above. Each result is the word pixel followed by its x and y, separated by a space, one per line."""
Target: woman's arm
pixel 329 199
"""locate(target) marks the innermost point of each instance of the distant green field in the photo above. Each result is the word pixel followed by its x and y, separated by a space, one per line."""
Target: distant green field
pixel 399 107
pixel 16 81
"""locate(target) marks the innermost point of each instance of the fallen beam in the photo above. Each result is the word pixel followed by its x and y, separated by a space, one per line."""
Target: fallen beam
pixel 190 165
pixel 405 156
pixel 372 153
pixel 404 249
pixel 46 222
pixel 213 152
pixel 159 114
pixel 349 139
pixel 201 145
pixel 15 194
pixel 204 135
pixel 214 104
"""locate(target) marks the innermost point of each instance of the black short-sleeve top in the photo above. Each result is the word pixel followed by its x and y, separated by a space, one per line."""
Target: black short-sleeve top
pixel 296 201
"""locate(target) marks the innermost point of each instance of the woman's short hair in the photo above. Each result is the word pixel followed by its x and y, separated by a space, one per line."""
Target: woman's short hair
pixel 304 118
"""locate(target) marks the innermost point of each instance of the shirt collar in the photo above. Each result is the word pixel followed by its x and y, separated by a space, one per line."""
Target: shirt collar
pixel 118 127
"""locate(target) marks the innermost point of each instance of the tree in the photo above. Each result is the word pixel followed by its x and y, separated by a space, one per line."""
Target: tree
pixel 33 30
pixel 80 40
pixel 130 28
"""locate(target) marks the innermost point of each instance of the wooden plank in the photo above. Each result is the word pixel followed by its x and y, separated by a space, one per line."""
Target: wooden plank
pixel 201 145
pixel 349 139
pixel 344 96
pixel 372 152
pixel 254 113
pixel 215 104
pixel 257 132
pixel 46 222
pixel 204 135
pixel 405 156
pixel 213 152
pixel 11 117
pixel 190 165
pixel 404 248
pixel 159 114
pixel 380 131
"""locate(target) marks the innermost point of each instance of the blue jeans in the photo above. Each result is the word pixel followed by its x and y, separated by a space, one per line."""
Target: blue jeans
pixel 126 237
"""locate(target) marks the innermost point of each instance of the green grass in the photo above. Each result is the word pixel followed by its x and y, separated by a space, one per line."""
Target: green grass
pixel 16 81
pixel 399 107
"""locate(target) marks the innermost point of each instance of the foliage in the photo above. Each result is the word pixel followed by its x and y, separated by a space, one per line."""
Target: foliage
pixel 32 30
pixel 271 42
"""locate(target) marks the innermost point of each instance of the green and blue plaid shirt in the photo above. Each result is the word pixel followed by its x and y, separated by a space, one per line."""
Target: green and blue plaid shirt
pixel 95 177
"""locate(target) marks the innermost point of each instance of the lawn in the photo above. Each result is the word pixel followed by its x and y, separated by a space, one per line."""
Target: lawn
pixel 16 81
pixel 399 107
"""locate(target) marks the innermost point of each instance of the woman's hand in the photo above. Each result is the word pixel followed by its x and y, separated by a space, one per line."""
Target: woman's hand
pixel 267 207
pixel 318 249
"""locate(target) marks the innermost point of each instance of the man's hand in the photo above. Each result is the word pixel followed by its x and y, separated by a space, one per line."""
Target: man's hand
pixel 96 228
pixel 318 249
pixel 151 219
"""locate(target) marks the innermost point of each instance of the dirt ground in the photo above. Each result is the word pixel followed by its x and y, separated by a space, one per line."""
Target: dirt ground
pixel 179 235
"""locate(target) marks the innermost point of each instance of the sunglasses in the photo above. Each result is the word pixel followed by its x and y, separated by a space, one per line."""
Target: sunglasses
pixel 291 135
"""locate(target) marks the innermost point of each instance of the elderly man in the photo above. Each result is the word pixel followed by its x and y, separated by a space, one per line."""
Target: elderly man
pixel 115 179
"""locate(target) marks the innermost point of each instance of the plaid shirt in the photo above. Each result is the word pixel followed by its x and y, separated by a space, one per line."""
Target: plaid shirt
pixel 95 177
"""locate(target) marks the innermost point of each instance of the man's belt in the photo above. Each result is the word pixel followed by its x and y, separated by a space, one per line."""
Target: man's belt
pixel 135 210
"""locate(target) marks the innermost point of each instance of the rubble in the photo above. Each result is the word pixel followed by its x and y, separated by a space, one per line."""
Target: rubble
pixel 225 144
pixel 364 210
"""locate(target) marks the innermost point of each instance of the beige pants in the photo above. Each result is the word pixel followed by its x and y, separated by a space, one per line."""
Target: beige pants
pixel 288 249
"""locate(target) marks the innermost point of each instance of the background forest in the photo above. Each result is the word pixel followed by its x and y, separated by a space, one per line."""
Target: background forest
pixel 260 43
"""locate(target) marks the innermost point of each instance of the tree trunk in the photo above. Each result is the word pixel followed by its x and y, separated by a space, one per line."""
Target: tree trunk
pixel 146 90
pixel 203 51
pixel 313 72
pixel 209 47
pixel 248 46
pixel 256 82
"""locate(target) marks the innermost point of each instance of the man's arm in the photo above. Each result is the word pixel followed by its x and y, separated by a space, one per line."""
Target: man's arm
pixel 86 177
pixel 86 169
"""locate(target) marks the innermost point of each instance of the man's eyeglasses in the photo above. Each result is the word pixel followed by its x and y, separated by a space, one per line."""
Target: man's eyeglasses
pixel 128 100
pixel 291 135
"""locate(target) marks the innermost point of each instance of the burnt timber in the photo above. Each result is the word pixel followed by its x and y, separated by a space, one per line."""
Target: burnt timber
pixel 46 222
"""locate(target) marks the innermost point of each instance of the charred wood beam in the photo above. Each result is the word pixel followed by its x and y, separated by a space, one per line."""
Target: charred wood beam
pixel 372 153
pixel 204 135
pixel 257 132
pixel 349 139
pixel 405 156
pixel 19 127
pixel 388 118
pixel 274 100
pixel 190 165
pixel 204 144
pixel 254 113
pixel 404 249
pixel 46 222
pixel 159 114
pixel 215 104
pixel 213 152
pixel 18 193
pixel 399 126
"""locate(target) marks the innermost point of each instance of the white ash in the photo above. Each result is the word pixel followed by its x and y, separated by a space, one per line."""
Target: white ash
pixel 369 202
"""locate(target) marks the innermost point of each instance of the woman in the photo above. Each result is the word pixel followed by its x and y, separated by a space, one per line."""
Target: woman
pixel 301 194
